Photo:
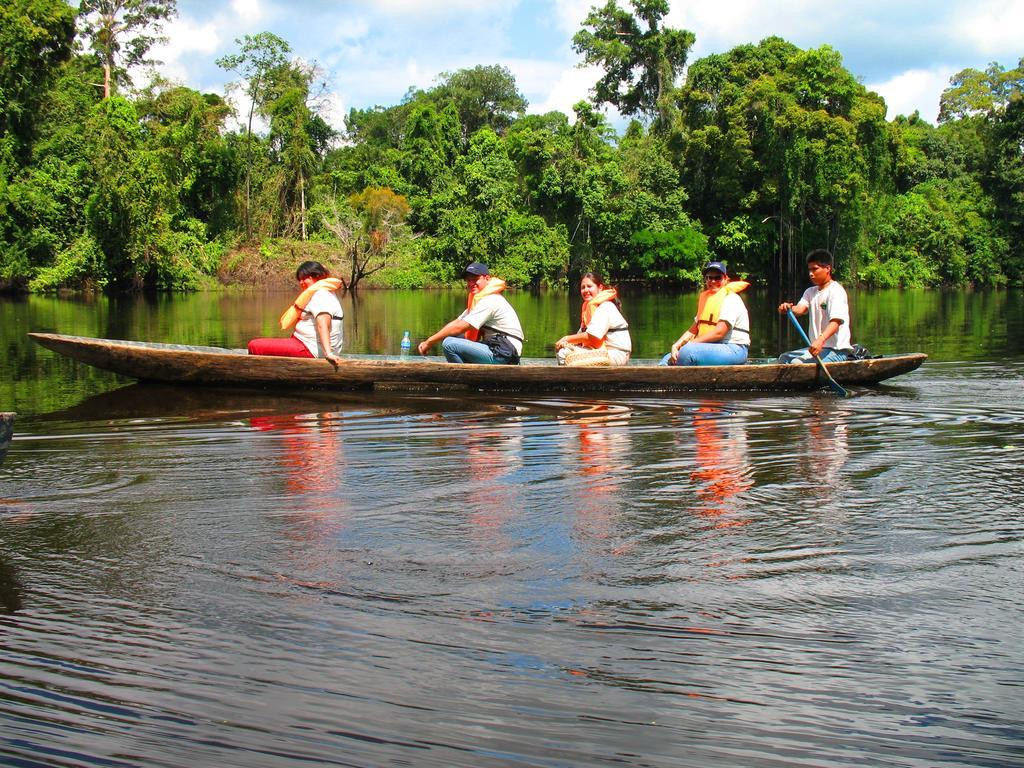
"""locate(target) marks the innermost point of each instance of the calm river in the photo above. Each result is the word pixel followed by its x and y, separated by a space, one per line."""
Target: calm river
pixel 224 578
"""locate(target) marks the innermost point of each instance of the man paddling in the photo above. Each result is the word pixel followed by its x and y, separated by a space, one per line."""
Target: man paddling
pixel 488 331
pixel 829 309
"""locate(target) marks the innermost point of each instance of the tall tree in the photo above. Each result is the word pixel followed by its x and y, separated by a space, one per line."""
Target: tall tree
pixel 776 134
pixel 121 32
pixel 185 129
pixel 483 96
pixel 299 139
pixel 973 92
pixel 35 37
pixel 641 59
pixel 258 58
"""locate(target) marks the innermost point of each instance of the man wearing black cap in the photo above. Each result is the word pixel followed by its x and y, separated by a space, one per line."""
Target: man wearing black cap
pixel 488 331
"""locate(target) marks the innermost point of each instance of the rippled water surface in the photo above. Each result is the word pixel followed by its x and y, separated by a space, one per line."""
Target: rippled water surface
pixel 222 578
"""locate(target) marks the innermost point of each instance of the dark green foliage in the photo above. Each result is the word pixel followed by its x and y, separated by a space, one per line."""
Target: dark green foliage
pixel 1005 178
pixel 764 152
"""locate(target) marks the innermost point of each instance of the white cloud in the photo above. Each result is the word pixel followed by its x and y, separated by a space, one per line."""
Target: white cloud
pixel 569 14
pixel 916 89
pixel 333 110
pixel 185 40
pixel 563 87
pixel 994 28
pixel 249 12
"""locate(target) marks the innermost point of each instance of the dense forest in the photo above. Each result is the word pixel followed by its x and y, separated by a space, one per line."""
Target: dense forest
pixel 755 155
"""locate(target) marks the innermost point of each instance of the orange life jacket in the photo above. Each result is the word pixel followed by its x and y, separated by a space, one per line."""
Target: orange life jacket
pixel 587 314
pixel 494 285
pixel 709 304
pixel 293 314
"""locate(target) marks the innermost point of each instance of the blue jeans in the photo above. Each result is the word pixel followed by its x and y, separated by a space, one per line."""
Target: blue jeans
pixel 460 350
pixel 828 355
pixel 702 353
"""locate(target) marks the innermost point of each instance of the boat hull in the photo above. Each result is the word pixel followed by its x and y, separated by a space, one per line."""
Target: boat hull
pixel 213 366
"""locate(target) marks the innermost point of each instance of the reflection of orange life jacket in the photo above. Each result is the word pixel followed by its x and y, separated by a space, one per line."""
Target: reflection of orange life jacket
pixel 721 468
pixel 587 314
pixel 293 314
pixel 709 304
pixel 493 286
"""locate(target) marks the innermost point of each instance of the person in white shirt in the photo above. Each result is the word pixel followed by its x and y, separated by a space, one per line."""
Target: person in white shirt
pixel 720 334
pixel 829 314
pixel 316 315
pixel 488 331
pixel 603 337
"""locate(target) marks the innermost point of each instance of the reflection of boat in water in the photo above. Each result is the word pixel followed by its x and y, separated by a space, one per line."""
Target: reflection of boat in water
pixel 182 364
pixel 6 432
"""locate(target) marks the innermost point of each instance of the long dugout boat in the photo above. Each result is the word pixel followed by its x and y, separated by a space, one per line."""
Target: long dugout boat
pixel 214 366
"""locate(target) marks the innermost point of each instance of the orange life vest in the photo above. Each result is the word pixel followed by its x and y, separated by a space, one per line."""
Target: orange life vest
pixel 494 285
pixel 709 304
pixel 293 314
pixel 587 314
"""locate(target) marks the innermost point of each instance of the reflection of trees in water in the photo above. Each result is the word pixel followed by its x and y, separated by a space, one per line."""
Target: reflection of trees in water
pixel 10 588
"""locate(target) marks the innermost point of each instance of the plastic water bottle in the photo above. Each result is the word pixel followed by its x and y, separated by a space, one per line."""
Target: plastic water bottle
pixel 406 344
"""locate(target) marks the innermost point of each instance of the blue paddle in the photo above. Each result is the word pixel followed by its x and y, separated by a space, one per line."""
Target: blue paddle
pixel 833 384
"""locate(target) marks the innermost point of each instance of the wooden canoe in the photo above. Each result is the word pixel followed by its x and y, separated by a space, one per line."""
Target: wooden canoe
pixel 181 364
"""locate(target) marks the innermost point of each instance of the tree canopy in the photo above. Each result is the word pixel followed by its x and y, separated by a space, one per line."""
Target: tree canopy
pixel 757 155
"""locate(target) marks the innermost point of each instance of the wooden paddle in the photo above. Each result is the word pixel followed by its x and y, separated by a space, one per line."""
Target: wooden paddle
pixel 833 384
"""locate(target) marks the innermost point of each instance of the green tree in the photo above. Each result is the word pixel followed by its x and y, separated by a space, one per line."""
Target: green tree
pixel 133 212
pixel 483 96
pixel 186 129
pixel 35 38
pixel 259 57
pixel 641 59
pixel 368 227
pixel 299 139
pixel 976 92
pixel 938 233
pixel 121 32
pixel 770 133
pixel 45 211
pixel 1005 179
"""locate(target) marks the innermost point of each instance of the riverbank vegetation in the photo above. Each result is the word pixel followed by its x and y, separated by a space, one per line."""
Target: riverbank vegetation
pixel 755 155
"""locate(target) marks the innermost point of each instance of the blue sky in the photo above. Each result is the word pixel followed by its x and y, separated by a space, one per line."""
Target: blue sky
pixel 373 52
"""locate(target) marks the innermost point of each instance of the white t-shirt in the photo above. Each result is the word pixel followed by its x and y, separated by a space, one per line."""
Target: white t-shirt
pixel 734 312
pixel 827 305
pixel 493 314
pixel 606 317
pixel 323 301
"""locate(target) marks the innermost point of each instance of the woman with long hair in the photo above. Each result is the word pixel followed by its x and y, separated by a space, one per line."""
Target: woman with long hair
pixel 603 337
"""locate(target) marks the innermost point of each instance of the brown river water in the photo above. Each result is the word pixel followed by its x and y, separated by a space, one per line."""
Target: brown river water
pixel 196 577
